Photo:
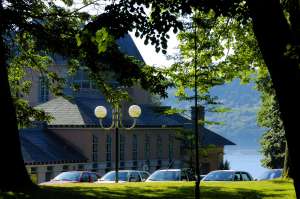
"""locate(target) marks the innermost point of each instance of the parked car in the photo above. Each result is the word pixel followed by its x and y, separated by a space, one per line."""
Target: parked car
pixel 124 176
pixel 202 176
pixel 271 174
pixel 227 175
pixel 73 176
pixel 170 175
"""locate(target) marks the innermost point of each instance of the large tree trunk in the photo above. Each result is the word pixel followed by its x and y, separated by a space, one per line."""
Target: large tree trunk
pixel 13 172
pixel 274 37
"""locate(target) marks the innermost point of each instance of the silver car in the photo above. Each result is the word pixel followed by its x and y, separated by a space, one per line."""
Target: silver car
pixel 124 176
pixel 271 174
pixel 169 175
pixel 73 177
pixel 227 175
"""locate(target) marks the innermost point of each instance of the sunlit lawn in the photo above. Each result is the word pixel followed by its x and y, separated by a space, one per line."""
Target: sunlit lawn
pixel 277 189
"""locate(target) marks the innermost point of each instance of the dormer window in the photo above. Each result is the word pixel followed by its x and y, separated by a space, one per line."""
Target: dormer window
pixel 43 89
pixel 82 81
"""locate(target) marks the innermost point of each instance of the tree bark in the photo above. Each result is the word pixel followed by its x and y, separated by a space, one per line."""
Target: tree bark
pixel 286 165
pixel 14 175
pixel 275 37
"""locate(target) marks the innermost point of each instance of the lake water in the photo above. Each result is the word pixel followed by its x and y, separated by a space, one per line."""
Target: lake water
pixel 244 159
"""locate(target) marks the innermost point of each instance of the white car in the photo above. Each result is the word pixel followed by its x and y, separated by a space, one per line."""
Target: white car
pixel 227 175
pixel 73 177
pixel 124 176
pixel 169 175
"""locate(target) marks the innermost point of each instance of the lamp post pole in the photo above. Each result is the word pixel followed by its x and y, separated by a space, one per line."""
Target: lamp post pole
pixel 117 154
pixel 116 116
pixel 197 183
pixel 101 112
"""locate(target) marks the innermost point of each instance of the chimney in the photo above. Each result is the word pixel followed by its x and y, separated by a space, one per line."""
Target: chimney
pixel 201 113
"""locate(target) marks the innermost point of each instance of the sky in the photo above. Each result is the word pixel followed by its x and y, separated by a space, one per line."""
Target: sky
pixel 149 54
pixel 147 51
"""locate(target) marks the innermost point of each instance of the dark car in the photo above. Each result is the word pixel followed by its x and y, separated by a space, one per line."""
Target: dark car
pixel 227 175
pixel 124 176
pixel 170 175
pixel 271 174
pixel 73 176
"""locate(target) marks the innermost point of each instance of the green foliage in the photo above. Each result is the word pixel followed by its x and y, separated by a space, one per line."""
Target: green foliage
pixel 221 51
pixel 103 40
pixel 224 165
pixel 25 60
pixel 187 148
pixel 273 140
pixel 36 30
pixel 26 114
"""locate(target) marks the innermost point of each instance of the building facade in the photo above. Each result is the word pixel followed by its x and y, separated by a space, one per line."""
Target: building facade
pixel 73 140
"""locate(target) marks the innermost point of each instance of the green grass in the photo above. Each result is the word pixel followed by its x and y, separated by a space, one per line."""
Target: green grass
pixel 276 189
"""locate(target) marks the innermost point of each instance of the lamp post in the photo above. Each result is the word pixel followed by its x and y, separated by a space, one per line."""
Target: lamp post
pixel 197 183
pixel 101 112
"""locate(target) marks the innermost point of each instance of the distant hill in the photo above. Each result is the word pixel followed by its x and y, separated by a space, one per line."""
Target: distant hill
pixel 240 124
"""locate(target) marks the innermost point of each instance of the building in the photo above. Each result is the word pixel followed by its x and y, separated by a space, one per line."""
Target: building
pixel 75 141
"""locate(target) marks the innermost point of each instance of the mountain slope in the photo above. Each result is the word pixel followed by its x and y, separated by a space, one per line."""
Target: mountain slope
pixel 240 123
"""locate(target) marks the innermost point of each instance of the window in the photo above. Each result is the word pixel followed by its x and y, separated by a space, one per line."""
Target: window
pixel 158 166
pixel 205 168
pixel 65 168
pixel 237 177
pixel 122 148
pixel 108 148
pixel 122 165
pixel 122 151
pixel 95 148
pixel 134 177
pixel 95 166
pixel 43 89
pixel 158 147
pixel 184 176
pixel 82 80
pixel 93 177
pixel 171 148
pixel 80 167
pixel 34 175
pixel 246 177
pixel 144 175
pixel 134 148
pixel 147 147
pixel 49 173
pixel 85 177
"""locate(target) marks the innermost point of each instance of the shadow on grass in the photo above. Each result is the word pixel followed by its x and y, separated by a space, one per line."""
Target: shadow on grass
pixel 143 192
pixel 281 181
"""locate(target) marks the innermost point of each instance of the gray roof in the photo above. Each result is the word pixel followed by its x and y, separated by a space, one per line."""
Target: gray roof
pixel 80 112
pixel 127 46
pixel 212 138
pixel 40 147
pixel 209 137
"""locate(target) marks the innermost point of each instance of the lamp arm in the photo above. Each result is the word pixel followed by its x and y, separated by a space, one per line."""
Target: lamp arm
pixel 107 128
pixel 131 127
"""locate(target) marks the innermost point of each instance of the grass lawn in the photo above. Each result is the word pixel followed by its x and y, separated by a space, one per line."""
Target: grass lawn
pixel 276 189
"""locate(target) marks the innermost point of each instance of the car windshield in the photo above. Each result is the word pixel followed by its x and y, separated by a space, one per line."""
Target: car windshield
pixel 165 176
pixel 68 176
pixel 219 176
pixel 270 174
pixel 123 176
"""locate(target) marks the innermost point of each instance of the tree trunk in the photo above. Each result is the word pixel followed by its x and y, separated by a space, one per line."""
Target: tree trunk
pixel 14 176
pixel 274 37
pixel 286 165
